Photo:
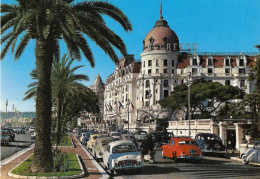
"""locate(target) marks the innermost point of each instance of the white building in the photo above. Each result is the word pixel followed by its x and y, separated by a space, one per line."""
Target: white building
pixel 164 64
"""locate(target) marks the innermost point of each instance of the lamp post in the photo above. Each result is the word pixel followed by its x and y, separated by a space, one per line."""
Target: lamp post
pixel 189 84
pixel 128 103
pixel 149 109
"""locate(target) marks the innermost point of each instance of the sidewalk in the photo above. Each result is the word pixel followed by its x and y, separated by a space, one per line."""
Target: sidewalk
pixel 90 169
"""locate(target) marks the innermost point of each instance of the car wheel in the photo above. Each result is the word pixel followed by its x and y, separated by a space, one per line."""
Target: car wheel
pixel 244 160
pixel 162 154
pixel 242 156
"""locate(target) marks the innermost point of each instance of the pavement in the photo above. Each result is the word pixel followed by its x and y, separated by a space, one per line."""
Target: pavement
pixel 91 170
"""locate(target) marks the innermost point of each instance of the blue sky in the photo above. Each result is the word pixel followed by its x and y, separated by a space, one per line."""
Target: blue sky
pixel 216 26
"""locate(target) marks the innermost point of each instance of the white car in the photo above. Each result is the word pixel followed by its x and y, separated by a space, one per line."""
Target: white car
pixel 115 135
pixel 31 129
pixel 122 155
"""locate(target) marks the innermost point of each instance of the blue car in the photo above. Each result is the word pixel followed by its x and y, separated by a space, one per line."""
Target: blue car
pixel 86 136
pixel 252 155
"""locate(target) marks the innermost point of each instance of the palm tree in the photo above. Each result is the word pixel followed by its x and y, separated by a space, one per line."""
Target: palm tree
pixel 48 21
pixel 64 83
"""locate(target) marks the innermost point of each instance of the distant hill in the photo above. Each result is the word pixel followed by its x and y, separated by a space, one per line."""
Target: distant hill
pixel 9 115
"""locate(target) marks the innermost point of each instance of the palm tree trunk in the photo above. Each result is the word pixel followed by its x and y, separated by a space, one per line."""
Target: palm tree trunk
pixel 42 160
pixel 59 110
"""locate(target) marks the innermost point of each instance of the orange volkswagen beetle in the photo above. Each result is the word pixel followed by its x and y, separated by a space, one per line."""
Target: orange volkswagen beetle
pixel 181 148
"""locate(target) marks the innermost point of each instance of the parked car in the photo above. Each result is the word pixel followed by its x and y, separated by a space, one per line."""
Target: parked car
pixel 92 140
pixel 210 143
pixel 252 155
pixel 33 135
pixel 139 139
pixel 115 134
pixel 122 155
pixel 129 137
pixel 100 147
pixel 86 137
pixel 10 133
pixel 5 138
pixel 31 129
pixel 243 150
pixel 181 148
pixel 162 138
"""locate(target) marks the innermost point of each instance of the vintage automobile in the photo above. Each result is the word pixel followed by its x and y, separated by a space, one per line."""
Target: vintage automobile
pixel 91 141
pixel 244 148
pixel 210 144
pixel 10 133
pixel 100 147
pixel 252 155
pixel 129 137
pixel 5 138
pixel 122 155
pixel 162 138
pixel 115 134
pixel 181 148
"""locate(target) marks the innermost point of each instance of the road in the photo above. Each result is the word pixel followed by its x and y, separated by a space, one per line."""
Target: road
pixel 21 141
pixel 209 167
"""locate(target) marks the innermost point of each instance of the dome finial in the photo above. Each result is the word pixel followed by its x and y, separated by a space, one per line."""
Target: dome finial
pixel 161 17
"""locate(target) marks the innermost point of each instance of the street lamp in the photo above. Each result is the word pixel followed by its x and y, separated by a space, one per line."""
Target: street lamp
pixel 149 97
pixel 189 82
pixel 128 103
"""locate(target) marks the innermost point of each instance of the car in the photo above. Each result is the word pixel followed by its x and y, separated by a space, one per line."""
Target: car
pixel 243 150
pixel 181 148
pixel 31 129
pixel 162 138
pixel 100 147
pixel 92 140
pixel 115 134
pixel 86 137
pixel 139 139
pixel 10 133
pixel 33 135
pixel 252 155
pixel 5 138
pixel 129 137
pixel 122 155
pixel 210 144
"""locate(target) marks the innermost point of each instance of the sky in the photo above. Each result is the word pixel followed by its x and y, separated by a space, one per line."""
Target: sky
pixel 214 25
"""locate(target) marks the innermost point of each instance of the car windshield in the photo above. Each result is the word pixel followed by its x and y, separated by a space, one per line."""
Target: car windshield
pixel 185 142
pixel 124 148
pixel 115 134
pixel 106 142
pixel 213 138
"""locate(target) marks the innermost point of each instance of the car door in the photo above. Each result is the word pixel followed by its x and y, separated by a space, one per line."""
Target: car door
pixel 168 149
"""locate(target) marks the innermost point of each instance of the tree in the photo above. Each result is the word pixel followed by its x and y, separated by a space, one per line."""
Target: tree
pixel 64 83
pixel 48 21
pixel 201 91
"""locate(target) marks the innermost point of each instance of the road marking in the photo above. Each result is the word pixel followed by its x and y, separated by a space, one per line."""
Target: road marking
pixel 100 169
pixel 18 154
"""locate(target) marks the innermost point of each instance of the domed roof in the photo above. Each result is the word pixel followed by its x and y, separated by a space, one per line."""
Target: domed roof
pixel 160 36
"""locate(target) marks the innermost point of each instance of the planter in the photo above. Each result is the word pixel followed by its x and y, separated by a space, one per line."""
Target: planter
pixel 248 137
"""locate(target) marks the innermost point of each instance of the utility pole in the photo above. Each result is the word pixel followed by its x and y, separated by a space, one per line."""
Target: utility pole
pixel 128 103
pixel 6 104
pixel 189 84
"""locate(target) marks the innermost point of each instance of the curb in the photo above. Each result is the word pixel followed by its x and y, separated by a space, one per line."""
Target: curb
pixel 43 177
pixel 99 168
pixel 74 146
pixel 236 159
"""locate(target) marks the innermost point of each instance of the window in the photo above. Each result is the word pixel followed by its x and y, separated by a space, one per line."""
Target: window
pixel 157 62
pixel 194 61
pixel 147 92
pixel 149 71
pixel 173 63
pixel 172 70
pixel 227 82
pixel 194 70
pixel 165 62
pixel 149 63
pixel 241 70
pixel 227 62
pixel 241 62
pixel 227 70
pixel 147 103
pixel 242 83
pixel 210 62
pixel 165 93
pixel 165 71
pixel 157 70
pixel 172 143
pixel 210 70
pixel 144 63
pixel 147 84
pixel 165 83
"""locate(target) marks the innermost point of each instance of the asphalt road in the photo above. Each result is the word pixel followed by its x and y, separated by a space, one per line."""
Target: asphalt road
pixel 209 167
pixel 21 141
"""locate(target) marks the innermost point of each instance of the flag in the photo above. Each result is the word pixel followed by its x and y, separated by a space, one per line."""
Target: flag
pixel 120 105
pixel 132 106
